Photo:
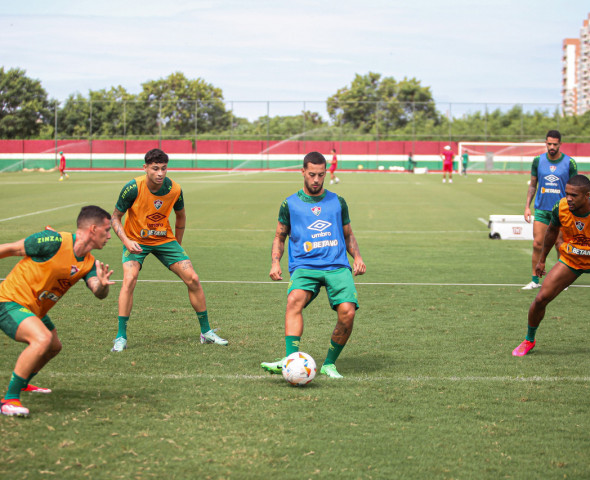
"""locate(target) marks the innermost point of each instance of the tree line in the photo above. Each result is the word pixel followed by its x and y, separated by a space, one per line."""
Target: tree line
pixel 371 107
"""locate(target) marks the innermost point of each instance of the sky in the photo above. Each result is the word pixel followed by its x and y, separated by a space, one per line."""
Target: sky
pixel 296 53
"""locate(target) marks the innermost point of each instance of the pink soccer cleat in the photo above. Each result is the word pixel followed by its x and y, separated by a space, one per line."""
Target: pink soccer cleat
pixel 524 348
pixel 13 408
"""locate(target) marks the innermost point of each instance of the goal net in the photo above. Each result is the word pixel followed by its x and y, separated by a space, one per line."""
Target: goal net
pixel 499 156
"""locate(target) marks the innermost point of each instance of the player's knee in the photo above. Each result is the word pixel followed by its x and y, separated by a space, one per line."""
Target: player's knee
pixel 346 312
pixel 42 341
pixel 192 281
pixel 55 347
pixel 295 303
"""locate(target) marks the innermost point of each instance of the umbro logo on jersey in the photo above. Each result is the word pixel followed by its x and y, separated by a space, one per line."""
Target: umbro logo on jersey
pixel 155 217
pixel 316 210
pixel 158 204
pixel 580 225
pixel 319 225
pixel 551 178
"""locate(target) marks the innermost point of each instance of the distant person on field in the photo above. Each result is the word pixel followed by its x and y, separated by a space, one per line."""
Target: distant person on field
pixel 333 165
pixel 447 157
pixel 465 161
pixel 549 175
pixel 411 163
pixel 148 201
pixel 62 167
pixel 320 235
pixel 53 262
pixel 571 216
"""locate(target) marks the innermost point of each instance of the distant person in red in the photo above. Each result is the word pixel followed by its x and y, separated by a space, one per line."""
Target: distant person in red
pixel 62 167
pixel 447 157
pixel 333 165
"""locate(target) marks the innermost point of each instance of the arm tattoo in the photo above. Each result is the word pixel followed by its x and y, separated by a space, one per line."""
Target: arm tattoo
pixel 278 244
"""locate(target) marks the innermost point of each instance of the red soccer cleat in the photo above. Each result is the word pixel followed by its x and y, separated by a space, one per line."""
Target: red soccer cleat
pixel 34 389
pixel 524 348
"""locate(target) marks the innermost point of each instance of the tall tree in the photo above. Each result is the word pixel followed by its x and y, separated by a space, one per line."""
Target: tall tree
pixel 24 106
pixel 375 104
pixel 184 105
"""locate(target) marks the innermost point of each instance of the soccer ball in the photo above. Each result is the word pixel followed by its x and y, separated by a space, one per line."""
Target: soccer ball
pixel 479 180
pixel 299 368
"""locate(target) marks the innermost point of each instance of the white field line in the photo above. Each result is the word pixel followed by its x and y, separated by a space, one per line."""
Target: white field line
pixel 382 284
pixel 41 211
pixel 357 232
pixel 407 379
pixel 386 284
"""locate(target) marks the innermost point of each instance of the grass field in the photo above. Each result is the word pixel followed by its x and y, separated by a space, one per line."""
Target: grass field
pixel 431 389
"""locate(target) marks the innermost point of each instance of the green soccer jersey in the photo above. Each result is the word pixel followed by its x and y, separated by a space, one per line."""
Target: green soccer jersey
pixel 285 218
pixel 42 246
pixel 128 195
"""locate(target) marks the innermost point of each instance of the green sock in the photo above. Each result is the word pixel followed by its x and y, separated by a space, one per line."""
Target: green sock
pixel 291 344
pixel 333 352
pixel 15 386
pixel 122 332
pixel 203 321
pixel 31 377
pixel 535 279
pixel 530 334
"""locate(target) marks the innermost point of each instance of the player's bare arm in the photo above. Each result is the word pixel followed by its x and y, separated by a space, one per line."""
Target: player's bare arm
pixel 278 248
pixel 117 225
pixel 529 197
pixel 99 285
pixel 14 249
pixel 358 266
pixel 548 242
pixel 180 225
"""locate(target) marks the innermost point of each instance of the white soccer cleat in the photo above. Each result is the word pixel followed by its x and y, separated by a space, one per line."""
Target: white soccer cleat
pixel 120 344
pixel 531 286
pixel 212 337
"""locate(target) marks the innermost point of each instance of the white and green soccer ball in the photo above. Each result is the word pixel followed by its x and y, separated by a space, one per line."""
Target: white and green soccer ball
pixel 299 368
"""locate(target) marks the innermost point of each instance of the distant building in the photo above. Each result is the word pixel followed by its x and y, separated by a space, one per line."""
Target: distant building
pixel 575 89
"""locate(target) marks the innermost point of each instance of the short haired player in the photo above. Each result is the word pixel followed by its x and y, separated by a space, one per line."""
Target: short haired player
pixel 53 262
pixel 148 201
pixel 333 166
pixel 447 157
pixel 549 174
pixel 571 216
pixel 320 235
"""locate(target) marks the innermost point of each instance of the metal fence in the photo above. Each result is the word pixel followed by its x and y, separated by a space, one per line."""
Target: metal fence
pixel 308 120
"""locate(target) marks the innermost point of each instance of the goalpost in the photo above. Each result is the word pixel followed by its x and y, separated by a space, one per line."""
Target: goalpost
pixel 499 156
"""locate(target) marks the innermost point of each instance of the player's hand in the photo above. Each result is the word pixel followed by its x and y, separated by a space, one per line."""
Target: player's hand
pixel 275 272
pixel 540 269
pixel 527 215
pixel 103 273
pixel 134 247
pixel 358 267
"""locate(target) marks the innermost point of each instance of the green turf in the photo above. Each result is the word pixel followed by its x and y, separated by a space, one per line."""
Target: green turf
pixel 431 389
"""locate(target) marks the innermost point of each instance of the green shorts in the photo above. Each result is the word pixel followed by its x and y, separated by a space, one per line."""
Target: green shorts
pixel 339 285
pixel 168 253
pixel 12 315
pixel 543 216
pixel 577 271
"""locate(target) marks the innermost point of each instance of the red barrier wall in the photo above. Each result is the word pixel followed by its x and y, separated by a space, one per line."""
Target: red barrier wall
pixel 253 147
